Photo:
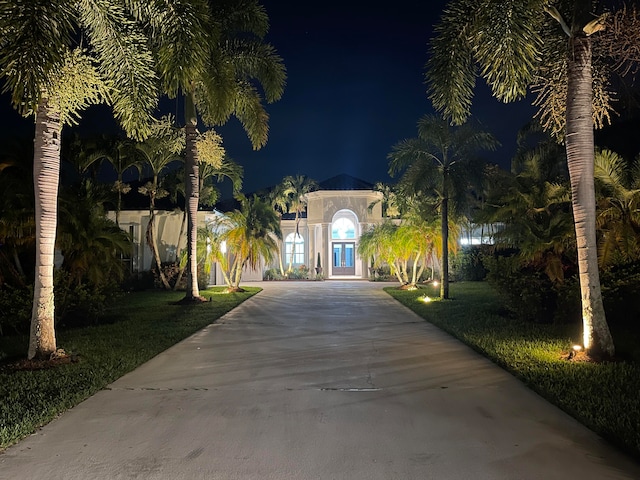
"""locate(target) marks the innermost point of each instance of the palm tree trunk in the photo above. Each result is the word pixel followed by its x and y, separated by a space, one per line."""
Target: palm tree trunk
pixel 580 157
pixel 444 283
pixel 280 244
pixel 180 269
pixel 414 272
pixel 151 241
pixel 18 265
pixel 46 173
pixel 192 183
pixel 119 201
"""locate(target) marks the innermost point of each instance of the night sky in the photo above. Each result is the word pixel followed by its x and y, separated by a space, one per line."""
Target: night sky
pixel 355 87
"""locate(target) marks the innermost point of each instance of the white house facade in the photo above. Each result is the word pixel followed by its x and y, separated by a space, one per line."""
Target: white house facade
pixel 337 214
pixel 334 222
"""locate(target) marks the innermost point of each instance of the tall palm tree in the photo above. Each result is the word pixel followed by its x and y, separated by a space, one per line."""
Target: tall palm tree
pixel 215 165
pixel 440 162
pixel 562 53
pixel 164 147
pixel 84 53
pixel 224 75
pixel 280 203
pixel 293 192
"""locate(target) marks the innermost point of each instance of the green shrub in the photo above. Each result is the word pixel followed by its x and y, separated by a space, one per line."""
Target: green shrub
pixel 81 304
pixel 620 291
pixel 272 274
pixel 528 294
pixel 15 309
pixel 382 274
pixel 299 273
pixel 467 264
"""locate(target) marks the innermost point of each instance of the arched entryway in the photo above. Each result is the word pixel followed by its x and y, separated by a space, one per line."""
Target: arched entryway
pixel 343 243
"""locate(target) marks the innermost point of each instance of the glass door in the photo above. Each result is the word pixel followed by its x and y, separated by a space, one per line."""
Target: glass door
pixel 344 256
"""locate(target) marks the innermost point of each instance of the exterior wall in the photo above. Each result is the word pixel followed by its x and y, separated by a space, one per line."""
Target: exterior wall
pixel 169 240
pixel 323 208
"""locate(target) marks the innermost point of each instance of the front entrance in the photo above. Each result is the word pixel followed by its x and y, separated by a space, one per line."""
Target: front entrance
pixel 344 258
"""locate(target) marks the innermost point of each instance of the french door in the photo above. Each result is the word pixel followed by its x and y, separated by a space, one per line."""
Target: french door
pixel 344 258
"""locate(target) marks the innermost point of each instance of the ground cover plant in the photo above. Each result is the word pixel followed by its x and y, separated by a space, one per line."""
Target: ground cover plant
pixel 603 396
pixel 139 327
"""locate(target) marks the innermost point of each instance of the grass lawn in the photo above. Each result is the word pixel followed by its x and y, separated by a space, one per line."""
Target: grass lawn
pixel 141 325
pixel 603 396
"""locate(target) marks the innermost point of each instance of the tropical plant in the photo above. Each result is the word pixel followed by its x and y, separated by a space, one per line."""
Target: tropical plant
pixel 518 45
pixel 91 245
pixel 533 207
pixel 214 165
pixel 243 238
pixel 618 196
pixel 164 147
pixel 390 202
pixel 121 155
pixel 279 202
pixel 220 76
pixel 17 223
pixel 84 53
pixel 440 163
pixel 292 194
pixel 405 248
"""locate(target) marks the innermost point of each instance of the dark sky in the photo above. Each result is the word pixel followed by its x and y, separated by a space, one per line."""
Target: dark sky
pixel 355 87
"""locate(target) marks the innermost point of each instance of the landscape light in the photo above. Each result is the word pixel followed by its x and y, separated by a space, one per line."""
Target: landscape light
pixel 425 299
pixel 574 351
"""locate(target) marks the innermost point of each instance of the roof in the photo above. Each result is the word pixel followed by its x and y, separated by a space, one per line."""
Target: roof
pixel 344 182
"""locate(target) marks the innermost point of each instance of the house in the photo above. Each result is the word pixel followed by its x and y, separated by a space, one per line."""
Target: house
pixel 337 214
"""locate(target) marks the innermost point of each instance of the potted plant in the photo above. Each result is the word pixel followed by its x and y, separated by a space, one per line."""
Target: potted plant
pixel 318 266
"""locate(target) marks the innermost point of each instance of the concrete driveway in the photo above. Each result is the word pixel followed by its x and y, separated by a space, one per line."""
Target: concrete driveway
pixel 317 380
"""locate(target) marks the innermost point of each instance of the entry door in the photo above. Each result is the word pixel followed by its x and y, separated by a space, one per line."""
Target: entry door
pixel 344 258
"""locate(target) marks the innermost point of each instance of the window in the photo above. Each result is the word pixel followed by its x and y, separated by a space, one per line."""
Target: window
pixel 298 256
pixel 343 229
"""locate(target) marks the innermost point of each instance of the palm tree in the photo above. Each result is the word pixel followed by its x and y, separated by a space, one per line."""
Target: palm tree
pixel 618 221
pixel 248 235
pixel 404 248
pixel 90 243
pixel 84 53
pixel 220 76
pixel 120 153
pixel 440 163
pixel 164 147
pixel 280 203
pixel 518 45
pixel 293 191
pixel 533 205
pixel 214 164
pixel 17 223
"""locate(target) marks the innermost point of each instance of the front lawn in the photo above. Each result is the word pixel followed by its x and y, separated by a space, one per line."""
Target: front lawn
pixel 603 396
pixel 139 327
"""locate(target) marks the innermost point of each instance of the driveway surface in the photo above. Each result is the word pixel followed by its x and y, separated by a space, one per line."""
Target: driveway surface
pixel 317 380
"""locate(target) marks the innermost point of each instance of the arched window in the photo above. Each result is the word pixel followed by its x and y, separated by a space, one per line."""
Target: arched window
pixel 298 256
pixel 343 229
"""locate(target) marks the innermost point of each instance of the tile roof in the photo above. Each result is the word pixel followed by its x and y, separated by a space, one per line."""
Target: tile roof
pixel 344 182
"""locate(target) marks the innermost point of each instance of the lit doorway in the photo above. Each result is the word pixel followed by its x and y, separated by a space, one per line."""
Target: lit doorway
pixel 344 258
